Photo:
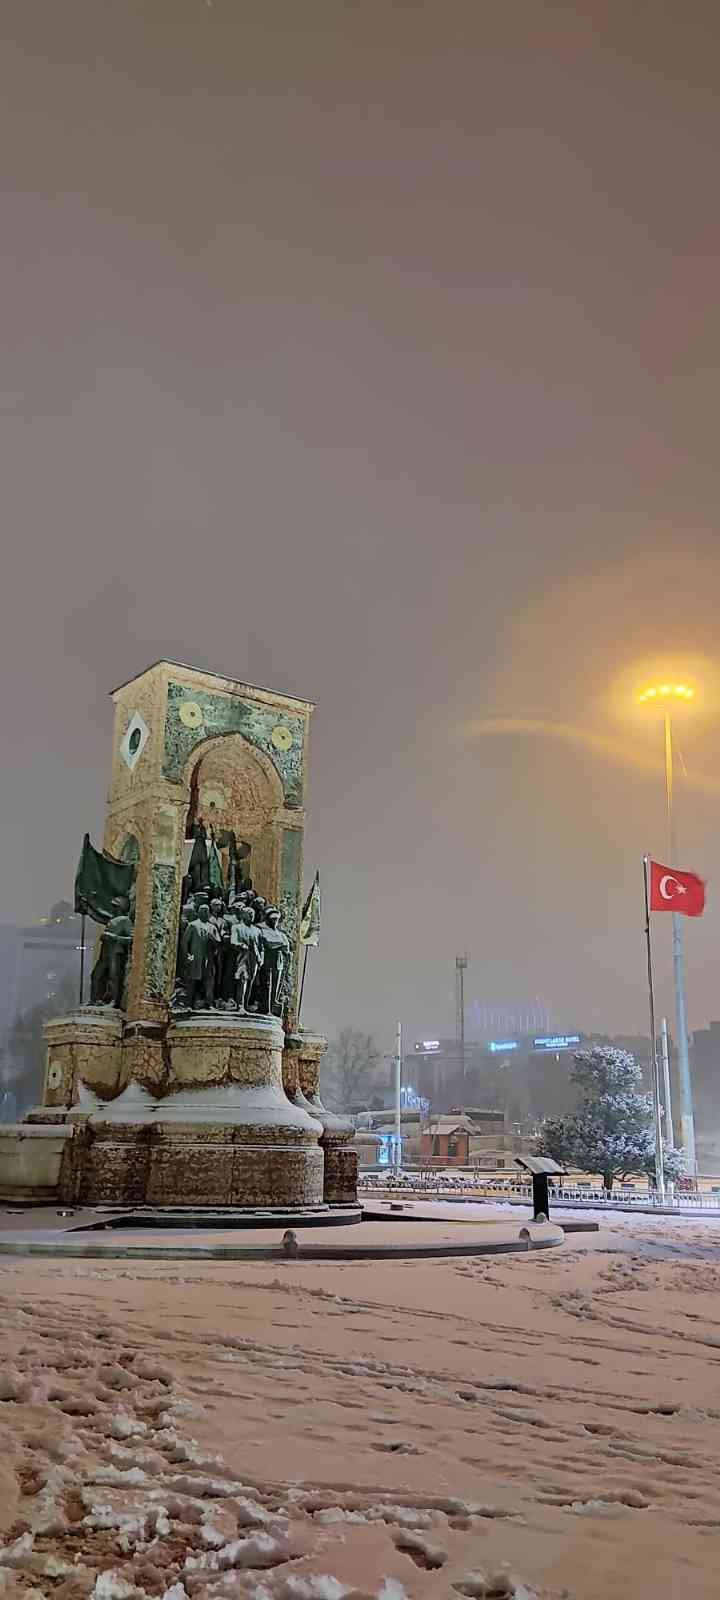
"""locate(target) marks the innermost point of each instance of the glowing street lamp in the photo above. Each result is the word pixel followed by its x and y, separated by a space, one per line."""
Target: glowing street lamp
pixel 666 697
pixel 663 692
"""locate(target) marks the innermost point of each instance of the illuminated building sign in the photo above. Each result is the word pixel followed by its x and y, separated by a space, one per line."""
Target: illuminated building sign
pixel 502 1045
pixel 428 1044
pixel 412 1101
pixel 557 1041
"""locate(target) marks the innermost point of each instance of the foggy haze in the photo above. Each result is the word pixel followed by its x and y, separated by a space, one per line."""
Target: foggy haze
pixel 370 353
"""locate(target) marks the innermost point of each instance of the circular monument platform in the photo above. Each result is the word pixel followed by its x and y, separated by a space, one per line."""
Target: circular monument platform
pixel 110 1233
pixel 218 1219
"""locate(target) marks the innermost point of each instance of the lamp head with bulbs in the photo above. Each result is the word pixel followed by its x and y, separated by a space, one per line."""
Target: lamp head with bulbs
pixel 666 694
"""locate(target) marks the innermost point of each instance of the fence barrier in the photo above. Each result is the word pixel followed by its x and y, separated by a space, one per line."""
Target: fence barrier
pixel 433 1186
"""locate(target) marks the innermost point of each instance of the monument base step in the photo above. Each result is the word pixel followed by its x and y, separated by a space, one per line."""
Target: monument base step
pixel 220 1218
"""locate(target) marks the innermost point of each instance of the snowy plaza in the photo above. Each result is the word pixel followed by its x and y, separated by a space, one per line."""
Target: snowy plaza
pixel 534 1425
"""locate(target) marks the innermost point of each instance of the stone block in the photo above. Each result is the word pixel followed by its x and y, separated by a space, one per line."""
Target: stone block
pixel 189 1173
pixel 213 1048
pixel 267 1176
pixel 112 1164
pixel 340 1174
pixel 31 1160
pixel 83 1047
pixel 144 1056
pixel 311 1047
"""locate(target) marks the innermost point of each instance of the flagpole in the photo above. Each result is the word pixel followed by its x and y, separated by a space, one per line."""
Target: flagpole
pixel 398 1097
pixel 666 1077
pixel 687 1118
pixel 302 984
pixel 659 1165
pixel 82 955
pixel 309 931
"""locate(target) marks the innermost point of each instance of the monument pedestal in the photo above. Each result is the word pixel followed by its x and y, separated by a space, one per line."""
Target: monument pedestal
pixel 301 1075
pixel 84 1047
pixel 223 1133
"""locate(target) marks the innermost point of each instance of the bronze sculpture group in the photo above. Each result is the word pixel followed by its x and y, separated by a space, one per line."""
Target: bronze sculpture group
pixel 232 953
pixel 232 956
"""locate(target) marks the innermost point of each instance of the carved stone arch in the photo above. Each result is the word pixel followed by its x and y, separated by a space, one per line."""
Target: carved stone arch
pixel 130 850
pixel 231 783
pixel 123 839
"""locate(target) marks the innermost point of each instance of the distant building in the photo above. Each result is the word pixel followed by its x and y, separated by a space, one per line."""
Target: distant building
pixel 38 964
pixel 435 1071
pixel 475 1138
pixel 447 1142
pixel 34 960
pixel 526 1076
pixel 705 1068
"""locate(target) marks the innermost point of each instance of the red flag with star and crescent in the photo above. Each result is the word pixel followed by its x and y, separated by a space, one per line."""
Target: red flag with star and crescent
pixel 672 890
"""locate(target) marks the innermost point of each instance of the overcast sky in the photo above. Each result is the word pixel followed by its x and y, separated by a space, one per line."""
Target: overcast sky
pixel 370 351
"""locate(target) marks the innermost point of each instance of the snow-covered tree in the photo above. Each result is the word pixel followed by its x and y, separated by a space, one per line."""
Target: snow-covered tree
pixel 674 1165
pixel 612 1130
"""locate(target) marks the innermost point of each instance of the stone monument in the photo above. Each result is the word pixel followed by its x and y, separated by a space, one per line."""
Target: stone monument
pixel 187 1081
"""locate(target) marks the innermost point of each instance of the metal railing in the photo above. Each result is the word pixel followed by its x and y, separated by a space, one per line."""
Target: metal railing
pixel 435 1186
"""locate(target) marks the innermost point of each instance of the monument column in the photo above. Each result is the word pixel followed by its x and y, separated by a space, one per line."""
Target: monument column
pixel 301 1075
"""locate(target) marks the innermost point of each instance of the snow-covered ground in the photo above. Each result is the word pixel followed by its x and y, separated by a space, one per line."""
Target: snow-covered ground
pixel 537 1424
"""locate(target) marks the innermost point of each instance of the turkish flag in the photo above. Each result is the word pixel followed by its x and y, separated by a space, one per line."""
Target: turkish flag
pixel 671 890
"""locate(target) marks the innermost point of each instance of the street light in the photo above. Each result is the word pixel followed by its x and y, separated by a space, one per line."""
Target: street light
pixel 666 696
pixel 663 692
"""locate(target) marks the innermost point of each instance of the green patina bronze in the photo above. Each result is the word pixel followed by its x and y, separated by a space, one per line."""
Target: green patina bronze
pixel 222 714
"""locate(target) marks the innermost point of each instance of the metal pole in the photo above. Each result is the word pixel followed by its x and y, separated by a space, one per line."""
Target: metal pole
pixel 659 1166
pixel 82 956
pixel 462 1018
pixel 669 1135
pixel 302 984
pixel 398 1080
pixel 460 966
pixel 687 1118
pixel 666 1078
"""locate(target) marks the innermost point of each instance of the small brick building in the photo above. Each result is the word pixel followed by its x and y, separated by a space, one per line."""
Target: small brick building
pixel 447 1142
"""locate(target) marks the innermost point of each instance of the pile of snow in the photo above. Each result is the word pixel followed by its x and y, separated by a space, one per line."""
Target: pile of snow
pixel 498 1585
pixel 258 1550
pixel 421 1551
pixel 323 1586
pixel 125 1427
pixel 111 1585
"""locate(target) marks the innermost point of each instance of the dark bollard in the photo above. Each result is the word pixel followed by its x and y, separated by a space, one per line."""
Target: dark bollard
pixel 541 1196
